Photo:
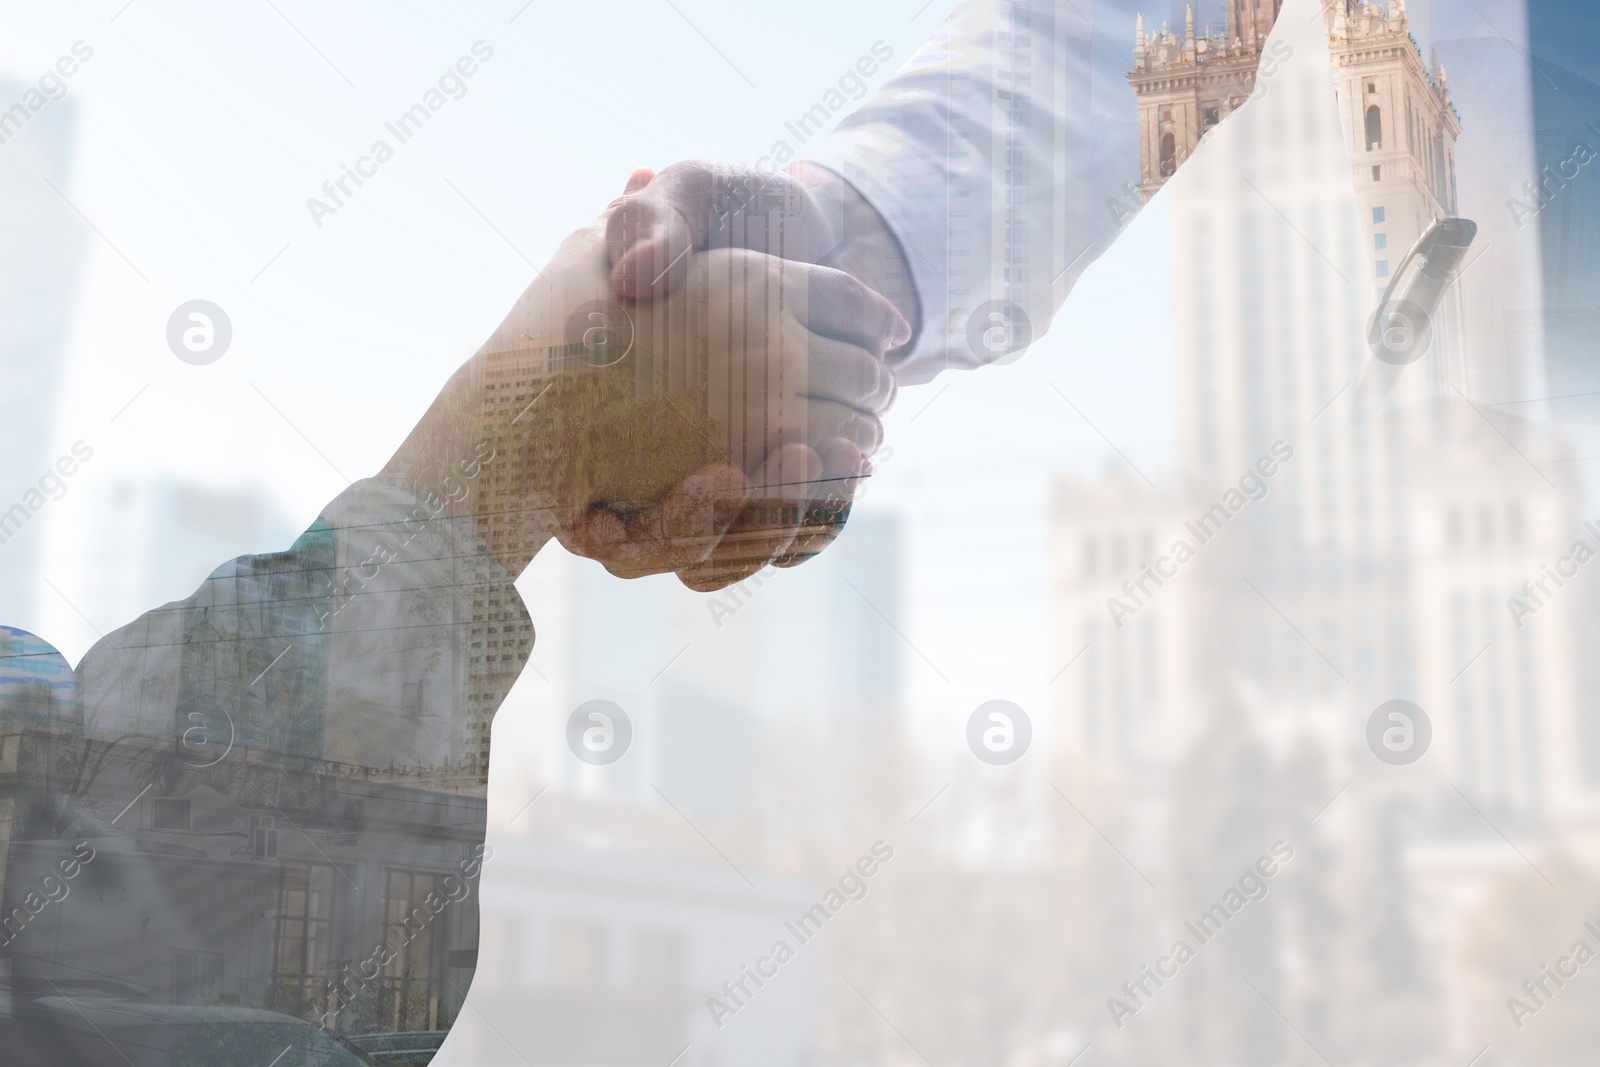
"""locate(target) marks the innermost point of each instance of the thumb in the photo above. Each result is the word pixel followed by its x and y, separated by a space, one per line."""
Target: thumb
pixel 638 180
pixel 649 232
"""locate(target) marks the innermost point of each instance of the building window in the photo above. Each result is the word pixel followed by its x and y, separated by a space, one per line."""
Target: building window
pixel 1380 241
pixel 1383 268
pixel 1374 127
pixel 1169 155
pixel 1372 87
pixel 1377 214
pixel 301 941
pixel 412 932
pixel 1213 116
pixel 1377 172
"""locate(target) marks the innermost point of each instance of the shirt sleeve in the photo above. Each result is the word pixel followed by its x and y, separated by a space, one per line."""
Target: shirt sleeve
pixel 252 781
pixel 368 644
pixel 996 157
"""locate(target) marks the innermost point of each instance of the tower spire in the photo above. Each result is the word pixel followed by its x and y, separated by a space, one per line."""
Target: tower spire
pixel 1188 26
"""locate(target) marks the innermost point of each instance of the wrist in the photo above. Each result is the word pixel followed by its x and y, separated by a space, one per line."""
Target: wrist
pixel 456 455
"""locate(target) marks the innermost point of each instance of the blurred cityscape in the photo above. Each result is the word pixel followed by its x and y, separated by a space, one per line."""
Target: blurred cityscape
pixel 1335 557
pixel 1203 717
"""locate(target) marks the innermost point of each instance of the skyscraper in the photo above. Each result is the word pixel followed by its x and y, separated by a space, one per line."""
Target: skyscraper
pixel 1375 561
pixel 38 284
pixel 1378 560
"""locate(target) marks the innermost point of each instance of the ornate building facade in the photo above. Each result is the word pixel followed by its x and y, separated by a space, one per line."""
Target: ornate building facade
pixel 1187 86
pixel 1374 564
pixel 1399 122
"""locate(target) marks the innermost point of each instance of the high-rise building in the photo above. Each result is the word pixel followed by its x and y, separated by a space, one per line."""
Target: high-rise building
pixel 1377 561
pixel 38 285
pixel 1374 562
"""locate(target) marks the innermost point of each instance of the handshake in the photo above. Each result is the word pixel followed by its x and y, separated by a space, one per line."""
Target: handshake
pixel 692 384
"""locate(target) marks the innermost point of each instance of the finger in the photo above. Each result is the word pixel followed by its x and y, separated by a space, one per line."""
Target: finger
pixel 822 523
pixel 696 205
pixel 768 524
pixel 810 543
pixel 789 474
pixel 781 534
pixel 704 529
pixel 678 531
pixel 596 534
pixel 648 245
pixel 602 535
pixel 649 234
pixel 843 469
pixel 638 180
pixel 828 420
pixel 820 315
pixel 840 306
pixel 684 527
pixel 842 465
pixel 753 542
pixel 851 375
pixel 712 576
pixel 827 302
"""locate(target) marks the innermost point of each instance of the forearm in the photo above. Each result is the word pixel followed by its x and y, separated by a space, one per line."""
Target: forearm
pixel 307 650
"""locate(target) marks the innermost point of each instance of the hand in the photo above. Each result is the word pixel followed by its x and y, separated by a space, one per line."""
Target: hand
pixel 811 216
pixel 579 408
